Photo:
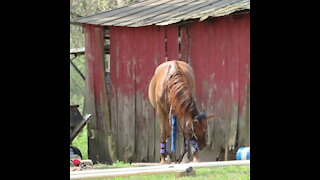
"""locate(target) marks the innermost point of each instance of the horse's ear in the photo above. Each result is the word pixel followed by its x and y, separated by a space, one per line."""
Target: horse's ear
pixel 210 116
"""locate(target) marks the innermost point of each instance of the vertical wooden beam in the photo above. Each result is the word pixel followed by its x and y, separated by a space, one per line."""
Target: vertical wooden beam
pixel 152 59
pixel 122 75
pixel 184 51
pixel 244 82
pixel 101 144
pixel 172 42
pixel 160 37
pixel 233 74
pixel 141 48
pixel 114 54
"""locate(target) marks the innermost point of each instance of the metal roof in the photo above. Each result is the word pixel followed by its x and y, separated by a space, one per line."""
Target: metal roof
pixel 164 12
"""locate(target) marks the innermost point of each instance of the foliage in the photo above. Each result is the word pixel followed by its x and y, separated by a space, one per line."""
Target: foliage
pixel 117 164
pixel 81 142
pixel 77 84
pixel 89 7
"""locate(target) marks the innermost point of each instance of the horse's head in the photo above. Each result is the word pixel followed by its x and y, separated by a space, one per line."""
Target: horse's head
pixel 200 126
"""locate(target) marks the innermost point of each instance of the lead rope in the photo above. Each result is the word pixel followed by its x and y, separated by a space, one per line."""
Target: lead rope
pixel 193 134
pixel 170 118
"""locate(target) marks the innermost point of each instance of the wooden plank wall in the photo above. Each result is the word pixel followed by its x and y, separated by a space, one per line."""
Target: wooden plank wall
pixel 218 51
pixel 134 54
pixel 222 70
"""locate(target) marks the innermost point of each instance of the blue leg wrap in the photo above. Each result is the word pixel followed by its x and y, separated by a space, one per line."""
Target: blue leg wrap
pixel 173 133
pixel 194 144
pixel 162 148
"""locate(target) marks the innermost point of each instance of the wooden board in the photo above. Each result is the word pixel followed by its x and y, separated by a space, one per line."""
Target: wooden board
pixel 244 82
pixel 122 172
pixel 172 32
pixel 123 78
pixel 96 102
pixel 184 49
pixel 141 85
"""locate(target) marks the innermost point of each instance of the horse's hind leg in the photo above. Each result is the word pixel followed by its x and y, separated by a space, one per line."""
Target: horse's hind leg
pixel 168 133
pixel 164 134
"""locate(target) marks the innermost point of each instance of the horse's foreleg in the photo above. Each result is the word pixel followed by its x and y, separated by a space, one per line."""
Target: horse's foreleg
pixel 184 158
pixel 196 150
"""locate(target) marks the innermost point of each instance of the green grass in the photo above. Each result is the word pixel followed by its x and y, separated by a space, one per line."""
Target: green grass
pixel 216 173
pixel 81 142
pixel 117 164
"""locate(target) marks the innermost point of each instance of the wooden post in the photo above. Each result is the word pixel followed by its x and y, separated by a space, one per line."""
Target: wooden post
pixel 101 145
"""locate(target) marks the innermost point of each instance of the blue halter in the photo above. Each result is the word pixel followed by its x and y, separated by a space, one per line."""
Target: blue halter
pixel 200 116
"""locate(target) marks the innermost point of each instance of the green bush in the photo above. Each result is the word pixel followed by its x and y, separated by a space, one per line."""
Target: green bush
pixel 81 142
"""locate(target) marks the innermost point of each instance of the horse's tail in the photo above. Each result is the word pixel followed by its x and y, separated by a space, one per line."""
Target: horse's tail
pixel 179 92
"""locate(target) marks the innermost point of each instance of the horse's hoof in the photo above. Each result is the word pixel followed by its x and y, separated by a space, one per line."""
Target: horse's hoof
pixel 185 159
pixel 195 161
pixel 163 162
pixel 168 159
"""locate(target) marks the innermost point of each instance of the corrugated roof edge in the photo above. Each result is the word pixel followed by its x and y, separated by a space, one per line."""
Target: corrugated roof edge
pixel 234 8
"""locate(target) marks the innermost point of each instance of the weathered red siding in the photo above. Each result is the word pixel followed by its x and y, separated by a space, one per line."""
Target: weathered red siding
pixel 96 101
pixel 135 53
pixel 220 57
pixel 218 50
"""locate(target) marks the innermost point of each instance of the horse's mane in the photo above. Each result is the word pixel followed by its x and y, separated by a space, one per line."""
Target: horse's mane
pixel 179 94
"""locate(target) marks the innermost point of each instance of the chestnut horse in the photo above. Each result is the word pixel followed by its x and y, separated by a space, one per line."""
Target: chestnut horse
pixel 171 91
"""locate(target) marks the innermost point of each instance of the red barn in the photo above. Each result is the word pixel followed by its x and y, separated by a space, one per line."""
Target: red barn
pixel 213 36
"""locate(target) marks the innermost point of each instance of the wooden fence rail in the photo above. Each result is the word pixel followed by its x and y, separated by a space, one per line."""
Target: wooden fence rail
pixel 159 169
